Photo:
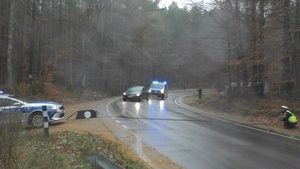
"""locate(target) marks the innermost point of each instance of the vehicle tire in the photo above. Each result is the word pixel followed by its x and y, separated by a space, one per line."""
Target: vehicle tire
pixel 163 97
pixel 37 120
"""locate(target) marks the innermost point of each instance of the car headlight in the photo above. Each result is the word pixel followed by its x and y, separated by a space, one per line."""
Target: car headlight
pixel 138 94
pixel 162 90
pixel 52 107
pixel 124 93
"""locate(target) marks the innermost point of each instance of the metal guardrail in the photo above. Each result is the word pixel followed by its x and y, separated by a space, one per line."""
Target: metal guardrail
pixel 101 162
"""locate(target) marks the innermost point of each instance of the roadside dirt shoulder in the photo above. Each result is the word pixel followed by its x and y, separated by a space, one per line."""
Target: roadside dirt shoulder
pixel 104 126
pixel 271 124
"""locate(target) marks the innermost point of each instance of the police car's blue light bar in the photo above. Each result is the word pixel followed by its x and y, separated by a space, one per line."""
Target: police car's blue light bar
pixel 159 82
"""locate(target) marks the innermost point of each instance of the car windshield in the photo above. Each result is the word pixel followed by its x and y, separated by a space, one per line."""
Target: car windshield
pixel 157 85
pixel 22 99
pixel 134 89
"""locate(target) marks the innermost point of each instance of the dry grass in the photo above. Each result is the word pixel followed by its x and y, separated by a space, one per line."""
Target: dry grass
pixel 66 150
pixel 259 112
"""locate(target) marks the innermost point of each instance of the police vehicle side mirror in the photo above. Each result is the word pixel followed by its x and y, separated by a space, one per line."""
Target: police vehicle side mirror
pixel 17 104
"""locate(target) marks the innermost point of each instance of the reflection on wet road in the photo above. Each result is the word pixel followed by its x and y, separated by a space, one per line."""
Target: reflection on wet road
pixel 194 140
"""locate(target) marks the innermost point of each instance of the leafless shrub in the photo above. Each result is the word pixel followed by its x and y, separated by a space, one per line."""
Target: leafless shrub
pixel 9 138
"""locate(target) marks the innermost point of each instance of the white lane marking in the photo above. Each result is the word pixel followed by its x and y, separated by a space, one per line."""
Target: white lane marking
pixel 238 124
pixel 107 109
pixel 139 146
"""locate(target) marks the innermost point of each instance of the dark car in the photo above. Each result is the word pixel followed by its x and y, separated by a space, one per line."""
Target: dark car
pixel 136 93
pixel 159 89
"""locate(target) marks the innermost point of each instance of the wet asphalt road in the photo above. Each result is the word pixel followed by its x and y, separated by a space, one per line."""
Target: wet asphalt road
pixel 197 141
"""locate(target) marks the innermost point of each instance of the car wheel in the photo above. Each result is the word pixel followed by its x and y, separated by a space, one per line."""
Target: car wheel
pixel 37 120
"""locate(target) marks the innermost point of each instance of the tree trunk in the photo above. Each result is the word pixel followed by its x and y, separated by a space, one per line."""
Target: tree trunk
pixel 260 47
pixel 286 41
pixel 4 38
pixel 253 41
pixel 32 46
pixel 10 77
pixel 296 43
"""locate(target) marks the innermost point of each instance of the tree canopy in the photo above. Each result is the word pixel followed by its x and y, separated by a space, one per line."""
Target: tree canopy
pixel 108 45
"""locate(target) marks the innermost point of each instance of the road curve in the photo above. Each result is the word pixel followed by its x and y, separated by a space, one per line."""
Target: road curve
pixel 193 139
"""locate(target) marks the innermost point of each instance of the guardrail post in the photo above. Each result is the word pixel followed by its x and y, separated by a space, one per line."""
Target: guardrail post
pixel 199 93
pixel 46 123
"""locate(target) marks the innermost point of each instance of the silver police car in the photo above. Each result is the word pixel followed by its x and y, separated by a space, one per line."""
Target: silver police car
pixel 29 112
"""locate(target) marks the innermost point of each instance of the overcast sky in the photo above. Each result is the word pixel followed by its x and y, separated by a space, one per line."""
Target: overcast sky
pixel 166 3
pixel 180 3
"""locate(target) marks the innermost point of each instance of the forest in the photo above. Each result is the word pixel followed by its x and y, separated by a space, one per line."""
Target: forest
pixel 236 46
